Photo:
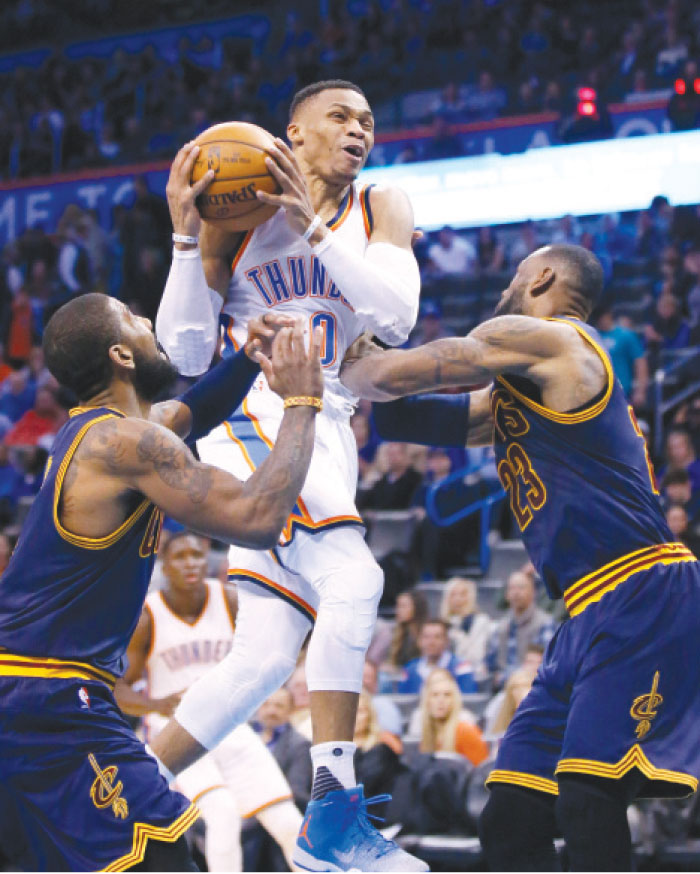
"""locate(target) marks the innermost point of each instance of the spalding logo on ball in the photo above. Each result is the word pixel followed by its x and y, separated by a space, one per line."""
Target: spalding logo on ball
pixel 235 151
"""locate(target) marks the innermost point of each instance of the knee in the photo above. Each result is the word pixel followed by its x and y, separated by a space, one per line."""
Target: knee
pixel 349 601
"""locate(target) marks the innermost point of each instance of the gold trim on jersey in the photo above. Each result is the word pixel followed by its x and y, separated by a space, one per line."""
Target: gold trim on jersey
pixel 634 758
pixel 143 831
pixel 582 415
pixel 593 586
pixel 180 618
pixel 78 411
pixel 79 539
pixel 12 665
pixel 528 781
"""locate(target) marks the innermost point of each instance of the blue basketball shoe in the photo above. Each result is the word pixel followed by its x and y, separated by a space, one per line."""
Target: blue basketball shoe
pixel 336 835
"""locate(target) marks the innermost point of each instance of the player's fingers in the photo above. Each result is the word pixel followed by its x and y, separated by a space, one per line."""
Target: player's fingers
pixel 276 322
pixel 181 156
pixel 315 345
pixel 265 365
pixel 273 199
pixel 280 174
pixel 284 158
pixel 203 183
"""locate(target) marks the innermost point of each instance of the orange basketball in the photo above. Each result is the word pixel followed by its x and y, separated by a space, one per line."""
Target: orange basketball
pixel 235 151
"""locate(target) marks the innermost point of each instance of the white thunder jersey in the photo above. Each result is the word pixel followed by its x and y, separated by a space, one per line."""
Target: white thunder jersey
pixel 276 271
pixel 180 653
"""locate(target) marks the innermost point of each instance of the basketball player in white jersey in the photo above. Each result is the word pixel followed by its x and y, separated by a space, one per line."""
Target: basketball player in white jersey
pixel 185 629
pixel 341 257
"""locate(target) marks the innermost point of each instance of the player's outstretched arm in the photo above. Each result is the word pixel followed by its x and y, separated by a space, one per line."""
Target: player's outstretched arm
pixel 150 459
pixel 505 344
pixel 383 285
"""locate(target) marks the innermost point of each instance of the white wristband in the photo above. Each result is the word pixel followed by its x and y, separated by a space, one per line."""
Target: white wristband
pixel 184 238
pixel 311 228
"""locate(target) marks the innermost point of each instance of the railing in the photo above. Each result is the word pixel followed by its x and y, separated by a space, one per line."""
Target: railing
pixel 482 506
pixel 679 380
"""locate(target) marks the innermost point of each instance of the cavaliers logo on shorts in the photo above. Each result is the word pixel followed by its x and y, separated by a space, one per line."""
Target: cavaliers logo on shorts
pixel 644 708
pixel 104 792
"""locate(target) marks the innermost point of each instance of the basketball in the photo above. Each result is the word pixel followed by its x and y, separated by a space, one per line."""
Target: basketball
pixel 235 151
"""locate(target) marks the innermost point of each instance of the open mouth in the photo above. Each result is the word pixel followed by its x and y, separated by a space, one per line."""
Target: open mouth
pixel 355 151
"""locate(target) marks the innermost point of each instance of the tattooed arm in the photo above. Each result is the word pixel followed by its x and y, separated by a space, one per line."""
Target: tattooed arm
pixel 550 354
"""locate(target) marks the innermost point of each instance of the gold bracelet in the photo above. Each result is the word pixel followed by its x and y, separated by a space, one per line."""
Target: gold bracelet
pixel 303 401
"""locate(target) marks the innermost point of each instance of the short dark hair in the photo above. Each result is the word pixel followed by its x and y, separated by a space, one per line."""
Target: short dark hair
pixel 583 274
pixel 317 87
pixel 675 478
pixel 179 535
pixel 76 344
pixel 437 621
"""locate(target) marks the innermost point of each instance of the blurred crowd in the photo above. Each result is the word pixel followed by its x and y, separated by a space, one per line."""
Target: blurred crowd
pixel 499 58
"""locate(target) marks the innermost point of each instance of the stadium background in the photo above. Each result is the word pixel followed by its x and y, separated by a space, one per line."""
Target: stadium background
pixel 91 114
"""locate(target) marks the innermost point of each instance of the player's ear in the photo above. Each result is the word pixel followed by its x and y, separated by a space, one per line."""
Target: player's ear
pixel 543 282
pixel 294 134
pixel 122 356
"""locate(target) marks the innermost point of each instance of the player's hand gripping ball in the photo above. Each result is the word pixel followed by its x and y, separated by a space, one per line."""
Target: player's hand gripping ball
pixel 236 152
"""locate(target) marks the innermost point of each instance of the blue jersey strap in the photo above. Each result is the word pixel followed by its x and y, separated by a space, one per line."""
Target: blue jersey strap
pixel 430 419
pixel 219 393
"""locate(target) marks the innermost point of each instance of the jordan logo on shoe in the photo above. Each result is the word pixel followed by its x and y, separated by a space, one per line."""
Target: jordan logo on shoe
pixel 304 829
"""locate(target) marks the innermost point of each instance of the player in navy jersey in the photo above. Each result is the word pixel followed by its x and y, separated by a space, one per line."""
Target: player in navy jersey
pixel 78 791
pixel 614 708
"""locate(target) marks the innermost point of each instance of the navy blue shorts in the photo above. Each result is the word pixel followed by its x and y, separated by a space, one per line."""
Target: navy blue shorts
pixel 619 688
pixel 78 792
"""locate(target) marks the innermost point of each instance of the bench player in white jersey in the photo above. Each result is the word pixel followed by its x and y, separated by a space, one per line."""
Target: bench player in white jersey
pixel 340 256
pixel 185 629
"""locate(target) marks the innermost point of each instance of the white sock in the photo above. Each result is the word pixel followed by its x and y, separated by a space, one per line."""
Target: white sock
pixel 334 759
pixel 165 772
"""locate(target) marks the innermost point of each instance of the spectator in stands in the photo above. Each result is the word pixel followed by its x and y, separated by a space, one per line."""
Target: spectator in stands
pixel 5 552
pixel 17 395
pixel 680 455
pixel 671 55
pixel 524 624
pixel 387 713
pixel 43 420
pixel 648 240
pixel 627 354
pixel 443 729
pixel 434 648
pixel 300 716
pixel 677 490
pixel 469 630
pixel 567 231
pixel 450 105
pixel 368 731
pixel 444 143
pixel 397 487
pixel 290 749
pixel 366 443
pixel 490 254
pixel 411 613
pixel 516 688
pixel 526 241
pixel 10 486
pixel 487 101
pixel 451 254
pixel 430 325
pixel 678 522
pixel 22 330
pixel 668 329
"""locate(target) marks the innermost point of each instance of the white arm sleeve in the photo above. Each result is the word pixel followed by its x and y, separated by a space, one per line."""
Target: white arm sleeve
pixel 383 287
pixel 187 323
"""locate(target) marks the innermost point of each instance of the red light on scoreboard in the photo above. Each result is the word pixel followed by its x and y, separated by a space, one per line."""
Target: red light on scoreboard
pixel 586 107
pixel 679 86
pixel 587 95
pixel 696 86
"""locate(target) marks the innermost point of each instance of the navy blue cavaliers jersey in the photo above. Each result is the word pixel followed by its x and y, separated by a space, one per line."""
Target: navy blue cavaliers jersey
pixel 581 487
pixel 68 598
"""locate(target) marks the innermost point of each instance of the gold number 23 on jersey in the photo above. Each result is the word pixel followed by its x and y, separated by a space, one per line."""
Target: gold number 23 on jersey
pixel 525 489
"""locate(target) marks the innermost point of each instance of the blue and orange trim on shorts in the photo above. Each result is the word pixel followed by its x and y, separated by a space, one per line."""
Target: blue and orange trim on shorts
pixel 41 667
pixel 591 588
pixel 255 446
pixel 237 573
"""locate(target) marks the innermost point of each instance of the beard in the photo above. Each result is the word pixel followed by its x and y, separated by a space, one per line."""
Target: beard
pixel 153 375
pixel 511 304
